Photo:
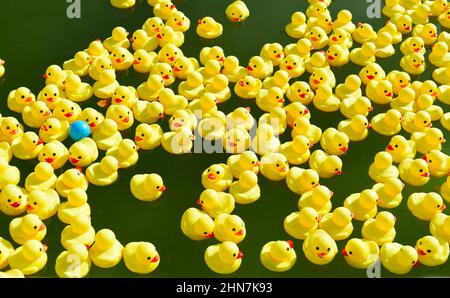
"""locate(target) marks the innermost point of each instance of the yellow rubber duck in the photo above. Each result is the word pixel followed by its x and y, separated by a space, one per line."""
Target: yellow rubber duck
pixel 240 118
pixel 26 228
pixel 276 118
pixel 13 200
pixel 204 106
pixel 6 250
pixel 296 151
pixel 392 7
pixel 143 60
pixel 5 152
pixel 324 99
pixel 125 152
pixel 217 177
pixel 399 80
pixel 246 161
pixel 54 129
pixel 400 148
pixel 370 72
pixel 237 11
pixel 433 251
pixel 384 45
pixel 334 142
pixel 397 258
pixel 439 55
pixel 365 54
pixel 193 87
pixel 229 228
pixel 2 68
pixel 428 140
pixel 425 103
pixel 338 224
pixel 212 127
pixel 302 180
pixel 382 168
pixel 297 27
pixel 223 258
pixel 380 92
pixel 216 202
pixel 125 95
pixel 83 152
pixel 318 199
pixel 389 192
pixel 387 124
pixel 301 92
pixel 278 256
pixel 355 128
pixel 10 174
pixel 10 129
pixel 107 251
pixel 363 205
pixel 259 68
pixel 172 102
pixel 98 66
pixel 324 164
pixel 117 39
pixel 428 33
pixel 352 106
pixel 208 28
pixel 302 48
pixel 147 187
pixel 150 89
pixel 54 74
pixel 413 45
pixel 92 117
pixel 420 14
pixel 211 68
pixel 54 153
pixel 50 95
pixel 178 21
pixel 141 257
pixel 404 102
pixel 439 226
pixel 350 88
pixel 414 171
pixel 246 190
pixel 169 53
pixel 236 140
pixel 212 53
pixel 184 117
pixel 69 180
pixel 274 166
pixel 319 248
pixel 232 69
pixel 341 37
pixel 297 110
pixel 197 225
pixel 437 7
pixel 179 141
pixel 76 205
pixel 168 35
pixel 445 121
pixel 380 229
pixel 67 110
pixel 323 21
pixel 273 52
pixel 122 115
pixel 316 8
pixel 425 205
pixel 318 37
pixel 293 65
pixel 163 9
pixel 35 114
pixel 121 58
pixel 344 21
pixel 413 63
pixel 65 266
pixel 419 121
pixel 360 253
pixel 403 22
pixel 80 230
pixel 20 98
pixel 148 137
pixel 107 135
pixel 27 146
pixel 183 66
pixel 43 203
pixel 265 140
pixel 363 33
pixel 29 258
pixel 104 172
pixel 218 87
pixel 140 40
pixel 96 50
pixel 438 163
pixel 79 65
pixel 337 55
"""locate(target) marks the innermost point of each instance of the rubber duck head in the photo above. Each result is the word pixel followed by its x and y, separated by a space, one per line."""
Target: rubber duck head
pixel 219 82
pixel 400 80
pixel 281 250
pixel 24 95
pixel 359 123
pixel 32 225
pixel 339 36
pixel 139 37
pixel 66 110
pixel 101 64
pixel 304 46
pixel 248 179
pixel 301 125
pixel 393 117
pixel 318 60
pixel 54 74
pixel 393 186
pixel 298 18
pixel 126 147
pixel 340 141
pixel 179 21
pixel 109 164
pixel 119 33
pixel 434 136
pixel 80 250
pixel 275 51
pixel 344 16
pixel 368 199
pixel 308 217
pixel 365 30
pixel 33 250
pixel 433 203
pixel 37 200
pixel 153 25
pixel 301 144
pixel 72 178
pixel 333 164
pixel 385 221
pixel 248 160
pixel 229 252
pixel 92 117
pixel 77 197
pixel 50 93
pixel 207 23
pixel 43 171
pixel 342 216
pixel 204 226
pixel 104 239
pixel 352 82
pixel 429 87
pixel 146 253
pixel 321 195
pixel 403 23
pixel 231 63
pixel 356 249
pixel 318 77
pixel 310 179
pixel 80 224
pixel 427 245
pixel 237 11
pixel 419 168
pixel 407 256
pixel 415 44
pixel 291 62
pixel 169 53
pixel 82 59
pixel 234 226
pixel 30 140
pixel 167 7
pixel 11 126
pixel 439 49
pixel 383 160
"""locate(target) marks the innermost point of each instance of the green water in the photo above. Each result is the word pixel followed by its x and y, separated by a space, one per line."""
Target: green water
pixel 35 34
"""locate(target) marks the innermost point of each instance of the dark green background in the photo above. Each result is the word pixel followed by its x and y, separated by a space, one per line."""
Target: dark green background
pixel 36 34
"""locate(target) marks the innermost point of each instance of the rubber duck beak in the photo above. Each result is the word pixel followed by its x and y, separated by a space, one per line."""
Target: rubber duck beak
pixel 424 157
pixel 199 21
pixel 306 111
pixel 343 149
pixel 434 35
pixel 41 228
pixel 283 169
pixel 289 67
pixel 442 208
pixel 257 164
pixel 407 28
pixel 379 201
pixel 416 264
pixel 49 160
pixel 132 39
pixel 30 208
pixel 48 113
pixel 198 202
pixel 322 254
pixel 126 119
pixel 241 83
pixel 330 57
pixel 240 233
pixel 249 68
pixel 334 38
pixel 92 125
pixel 390 148
pixel 135 62
pixel 176 69
pixel 345 253
pixel 74 160
pixel 68 115
pixel 39 142
pixel 248 109
pixel 339 173
pixel 211 176
pixel 167 77
pixel 172 6
pixel 163 188
pixel 236 19
pixel 14 132
pixel 443 140
pixel 291 243
pixel 15 204
pixel 117 100
pixel 180 23
pixel 45 76
pixel 316 82
pixel 281 100
pixel 159 36
pixel 421 252
pixel 209 236
pixel 161 116
pixel 28 99
pixel 155 259
pixel 371 77
pixel 240 255
pixel 137 138
pixel 45 246
pixel 427 174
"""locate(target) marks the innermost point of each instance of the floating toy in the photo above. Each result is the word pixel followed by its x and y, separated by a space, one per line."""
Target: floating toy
pixel 380 229
pixel 143 61
pixel 365 54
pixel 229 228
pixel 379 92
pixel 125 152
pixel 54 153
pixel 26 228
pixel 297 27
pixel 344 21
pixel 338 224
pixel 439 226
pixel 92 117
pixel 232 70
pixel 10 129
pixel 50 95
pixel 141 41
pixel 413 45
pixel 276 118
pixel 148 137
pixel 382 168
pixel 179 141
pixel 399 80
pixel 79 65
pixel 178 21
pixel 337 55
pixel 172 102
pixel 392 7
pixel 223 258
pixel 125 95
pixel 67 110
pixel 319 248
pixel 246 190
pixel 303 49
pixel 363 205
pixel 43 203
pixel 322 76
pixel 425 103
pixel 428 32
pixel 240 118
pixel 121 58
pixel 54 129
pixel 278 255
pixel 404 102
pixel 27 146
pixel 428 140
pixel 79 130
pixel 118 38
pixel 397 258
pixel 432 251
pixel 302 180
pixel 350 87
pixel 54 74
pixel 403 23
pixel 237 11
pixel 372 71
pixel 236 140
pixel 300 223
pixel 214 202
pixel 20 98
pixel 360 253
pixel 64 266
pixel 7 249
pixel 274 166
pixel 265 140
pixel 318 37
pixel 141 257
pixel 76 205
pixel 355 128
pixel 9 174
pixel 413 63
pixel 35 114
pixel 70 180
pixel 98 66
pixel 218 87
pixel 389 192
pixel 388 123
pixel 150 89
pixel 29 258
pixel 13 200
pixel 107 251
pixel 273 52
pixel 80 230
pixel 163 9
pixel 147 187
pixel 122 115
pixel 208 28
pixel 2 68
pixel 197 225
pixel 83 152
pixel 438 163
pixel 217 177
pixel 334 142
pixel 363 33
pixel 384 45
pixel 352 106
pixel 318 199
pixel 107 135
pixel 104 172
pixel 293 65
pixel 246 161
pixel 414 171
pixel 425 206
pixel 296 151
pixel 169 35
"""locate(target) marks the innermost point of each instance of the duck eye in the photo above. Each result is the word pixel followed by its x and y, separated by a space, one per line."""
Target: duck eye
pixel 317 248
pixel 329 249
pixel 350 252
pixel 421 170
pixel 35 227
pixel 428 250
pixel 233 229
pixel 217 172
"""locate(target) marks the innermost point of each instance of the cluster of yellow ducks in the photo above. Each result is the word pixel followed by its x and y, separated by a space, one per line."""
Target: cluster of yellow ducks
pixel 205 85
